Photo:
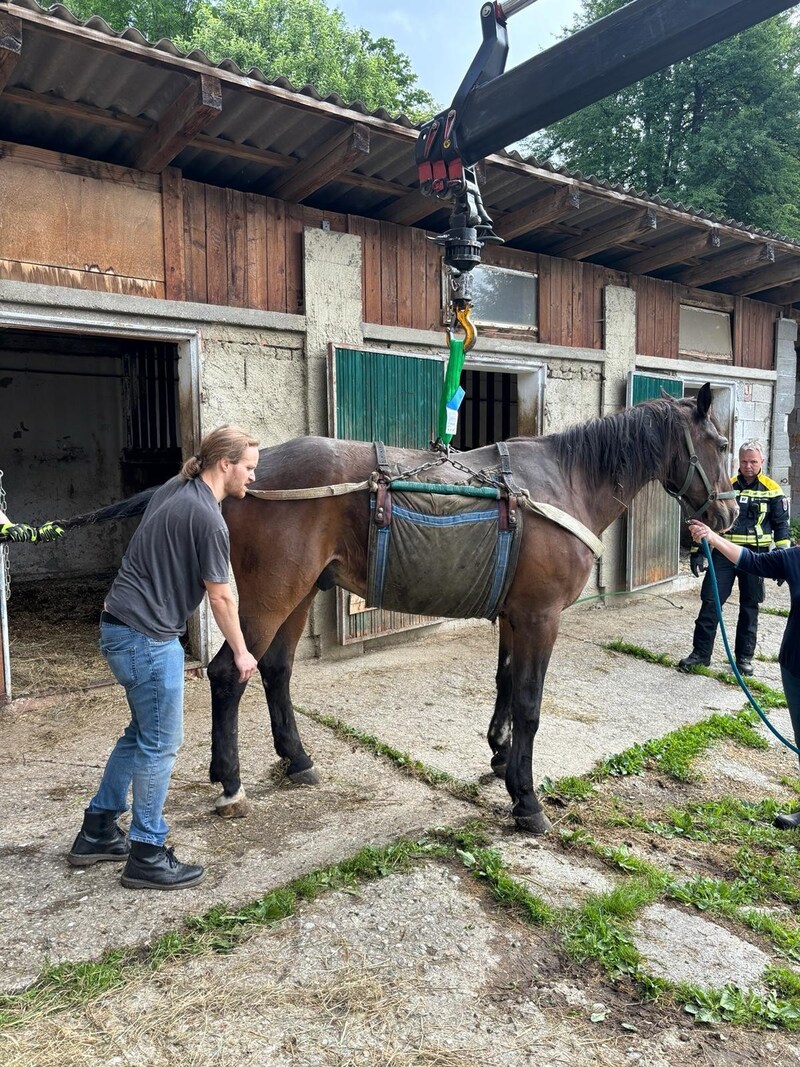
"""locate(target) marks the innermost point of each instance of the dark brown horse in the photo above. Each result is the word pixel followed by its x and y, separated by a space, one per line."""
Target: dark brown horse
pixel 284 551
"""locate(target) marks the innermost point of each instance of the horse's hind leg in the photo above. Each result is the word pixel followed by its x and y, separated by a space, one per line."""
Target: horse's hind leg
pixel 533 643
pixel 499 736
pixel 276 673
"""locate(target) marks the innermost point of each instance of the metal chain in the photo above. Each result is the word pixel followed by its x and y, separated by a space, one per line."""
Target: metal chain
pixel 6 590
pixel 447 457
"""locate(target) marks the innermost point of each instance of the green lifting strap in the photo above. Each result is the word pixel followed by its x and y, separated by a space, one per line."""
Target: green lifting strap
pixel 450 401
pixel 445 490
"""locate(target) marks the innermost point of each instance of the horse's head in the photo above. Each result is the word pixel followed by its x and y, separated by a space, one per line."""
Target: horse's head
pixel 696 474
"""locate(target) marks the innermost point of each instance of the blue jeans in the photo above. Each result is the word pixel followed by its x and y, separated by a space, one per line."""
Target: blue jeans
pixel 151 673
pixel 791 689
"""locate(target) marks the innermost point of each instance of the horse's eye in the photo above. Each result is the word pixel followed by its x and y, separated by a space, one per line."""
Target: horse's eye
pixel 723 446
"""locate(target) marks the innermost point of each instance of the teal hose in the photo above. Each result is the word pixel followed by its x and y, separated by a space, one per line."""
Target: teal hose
pixel 732 661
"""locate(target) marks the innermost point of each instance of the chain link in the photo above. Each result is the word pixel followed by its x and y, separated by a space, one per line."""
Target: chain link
pixel 447 457
pixel 6 591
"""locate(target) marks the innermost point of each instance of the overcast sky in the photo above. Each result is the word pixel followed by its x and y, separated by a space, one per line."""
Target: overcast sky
pixel 441 38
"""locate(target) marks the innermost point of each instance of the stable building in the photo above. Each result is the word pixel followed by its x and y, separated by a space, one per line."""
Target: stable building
pixel 184 244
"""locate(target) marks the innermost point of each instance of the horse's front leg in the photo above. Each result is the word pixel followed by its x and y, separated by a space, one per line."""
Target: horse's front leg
pixel 276 674
pixel 226 693
pixel 499 736
pixel 533 640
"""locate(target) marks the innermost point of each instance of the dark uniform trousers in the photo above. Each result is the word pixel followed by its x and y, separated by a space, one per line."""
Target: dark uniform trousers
pixel 751 594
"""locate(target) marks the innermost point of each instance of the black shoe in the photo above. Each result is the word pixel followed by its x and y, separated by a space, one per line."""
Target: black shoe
pixel 745 666
pixel 99 839
pixel 788 822
pixel 157 867
pixel 694 659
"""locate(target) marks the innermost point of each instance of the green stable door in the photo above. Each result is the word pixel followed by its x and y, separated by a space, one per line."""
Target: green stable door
pixel 394 398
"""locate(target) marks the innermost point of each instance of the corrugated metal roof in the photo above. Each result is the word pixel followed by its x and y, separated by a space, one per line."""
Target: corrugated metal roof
pixel 84 89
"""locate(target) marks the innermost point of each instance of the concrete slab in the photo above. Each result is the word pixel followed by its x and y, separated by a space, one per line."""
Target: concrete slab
pixel 685 947
pixel 51 912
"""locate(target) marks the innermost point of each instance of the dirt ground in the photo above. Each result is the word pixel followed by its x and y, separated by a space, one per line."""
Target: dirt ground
pixel 423 966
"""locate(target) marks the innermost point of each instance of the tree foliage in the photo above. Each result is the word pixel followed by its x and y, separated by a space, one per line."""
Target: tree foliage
pixel 303 41
pixel 719 131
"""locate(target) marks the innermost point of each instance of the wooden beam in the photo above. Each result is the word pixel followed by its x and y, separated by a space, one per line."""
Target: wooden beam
pixel 197 105
pixel 411 208
pixel 598 240
pixel 728 265
pixel 677 250
pixel 784 294
pixel 10 46
pixel 783 273
pixel 336 156
pixel 547 208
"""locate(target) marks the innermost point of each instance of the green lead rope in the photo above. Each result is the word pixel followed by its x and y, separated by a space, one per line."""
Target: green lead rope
pixel 452 393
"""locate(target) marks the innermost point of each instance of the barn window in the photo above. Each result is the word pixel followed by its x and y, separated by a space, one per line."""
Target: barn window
pixel 705 333
pixel 503 297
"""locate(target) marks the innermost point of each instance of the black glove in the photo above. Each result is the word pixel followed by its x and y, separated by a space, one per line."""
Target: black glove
pixel 698 563
pixel 780 582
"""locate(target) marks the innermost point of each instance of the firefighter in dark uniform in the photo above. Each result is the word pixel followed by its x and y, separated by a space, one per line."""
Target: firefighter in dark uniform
pixel 763 521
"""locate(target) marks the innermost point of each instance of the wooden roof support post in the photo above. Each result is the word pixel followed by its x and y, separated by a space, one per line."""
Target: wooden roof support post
pixel 341 153
pixel 550 207
pixel 197 105
pixel 729 264
pixel 10 46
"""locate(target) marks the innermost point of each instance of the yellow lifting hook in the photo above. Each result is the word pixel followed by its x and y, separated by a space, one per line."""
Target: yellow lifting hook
pixel 462 316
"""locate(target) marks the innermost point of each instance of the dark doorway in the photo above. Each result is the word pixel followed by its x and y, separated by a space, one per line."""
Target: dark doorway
pixel 84 421
pixel 489 411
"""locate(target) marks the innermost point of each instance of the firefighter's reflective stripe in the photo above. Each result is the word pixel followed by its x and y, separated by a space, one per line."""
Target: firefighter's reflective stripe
pixel 763 514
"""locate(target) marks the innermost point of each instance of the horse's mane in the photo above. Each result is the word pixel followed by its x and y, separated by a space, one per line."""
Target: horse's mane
pixel 626 448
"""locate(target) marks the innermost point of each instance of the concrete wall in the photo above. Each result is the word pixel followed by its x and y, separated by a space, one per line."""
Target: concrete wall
pixel 268 371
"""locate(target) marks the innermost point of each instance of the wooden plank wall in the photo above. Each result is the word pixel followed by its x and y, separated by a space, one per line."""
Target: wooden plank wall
pixel 78 223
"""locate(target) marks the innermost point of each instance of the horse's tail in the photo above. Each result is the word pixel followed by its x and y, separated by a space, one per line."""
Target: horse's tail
pixel 125 509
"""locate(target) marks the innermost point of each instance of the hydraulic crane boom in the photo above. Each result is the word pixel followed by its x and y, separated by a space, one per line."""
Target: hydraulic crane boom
pixel 493 109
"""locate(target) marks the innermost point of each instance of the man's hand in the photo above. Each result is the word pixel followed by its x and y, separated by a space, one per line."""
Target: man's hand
pixel 698 563
pixel 246 665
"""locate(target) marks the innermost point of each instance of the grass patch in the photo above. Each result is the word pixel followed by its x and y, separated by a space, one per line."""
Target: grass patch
pixel 738 1006
pixel 661 658
pixel 221 929
pixel 783 613
pixel 570 787
pixel 769 697
pixel 675 752
pixel 414 768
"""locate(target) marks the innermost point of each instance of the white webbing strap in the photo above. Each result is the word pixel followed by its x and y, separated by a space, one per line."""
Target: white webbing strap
pixel 569 522
pixel 311 493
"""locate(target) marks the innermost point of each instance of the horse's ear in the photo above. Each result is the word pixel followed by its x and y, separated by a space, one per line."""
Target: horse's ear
pixel 665 395
pixel 704 400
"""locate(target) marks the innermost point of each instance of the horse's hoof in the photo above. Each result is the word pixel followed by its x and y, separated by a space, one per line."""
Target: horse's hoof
pixel 499 767
pixel 234 807
pixel 307 777
pixel 534 824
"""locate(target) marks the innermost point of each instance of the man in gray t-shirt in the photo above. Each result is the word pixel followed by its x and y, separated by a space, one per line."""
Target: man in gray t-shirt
pixel 179 553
